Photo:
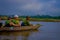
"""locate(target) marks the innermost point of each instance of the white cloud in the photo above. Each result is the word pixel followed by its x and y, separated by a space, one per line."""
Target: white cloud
pixel 40 7
pixel 33 6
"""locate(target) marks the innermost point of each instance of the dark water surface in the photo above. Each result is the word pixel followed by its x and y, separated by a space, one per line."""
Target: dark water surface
pixel 48 31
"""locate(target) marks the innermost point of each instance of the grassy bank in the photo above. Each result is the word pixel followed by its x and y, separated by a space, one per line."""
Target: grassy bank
pixel 37 19
pixel 45 20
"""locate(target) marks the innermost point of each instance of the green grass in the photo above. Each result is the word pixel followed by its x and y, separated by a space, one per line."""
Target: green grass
pixel 37 19
pixel 45 19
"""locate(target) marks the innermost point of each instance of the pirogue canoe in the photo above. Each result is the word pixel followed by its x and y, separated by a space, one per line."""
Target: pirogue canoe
pixel 22 28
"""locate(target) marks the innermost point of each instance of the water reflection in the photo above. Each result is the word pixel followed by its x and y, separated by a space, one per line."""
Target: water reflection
pixel 49 31
pixel 22 35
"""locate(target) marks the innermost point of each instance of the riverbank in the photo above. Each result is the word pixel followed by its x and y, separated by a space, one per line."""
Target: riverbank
pixel 39 19
pixel 45 20
pixel 36 18
pixel 42 19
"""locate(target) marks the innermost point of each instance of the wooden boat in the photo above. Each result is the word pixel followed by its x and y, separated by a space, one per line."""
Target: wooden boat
pixel 22 28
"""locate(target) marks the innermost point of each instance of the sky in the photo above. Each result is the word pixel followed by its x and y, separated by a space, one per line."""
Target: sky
pixel 30 7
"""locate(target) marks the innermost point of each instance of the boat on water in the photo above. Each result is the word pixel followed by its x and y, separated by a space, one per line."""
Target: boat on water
pixel 22 28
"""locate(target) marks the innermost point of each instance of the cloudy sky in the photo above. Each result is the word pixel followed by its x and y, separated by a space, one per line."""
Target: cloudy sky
pixel 30 7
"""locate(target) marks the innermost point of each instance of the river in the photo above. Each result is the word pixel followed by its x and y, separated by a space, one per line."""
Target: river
pixel 48 31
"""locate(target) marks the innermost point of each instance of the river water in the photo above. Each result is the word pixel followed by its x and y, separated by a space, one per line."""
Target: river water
pixel 48 31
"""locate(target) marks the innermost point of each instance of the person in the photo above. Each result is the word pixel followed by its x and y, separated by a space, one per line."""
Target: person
pixel 0 22
pixel 8 23
pixel 26 22
pixel 15 21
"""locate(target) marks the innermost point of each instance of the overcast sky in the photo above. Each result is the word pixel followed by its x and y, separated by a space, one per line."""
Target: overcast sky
pixel 30 7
